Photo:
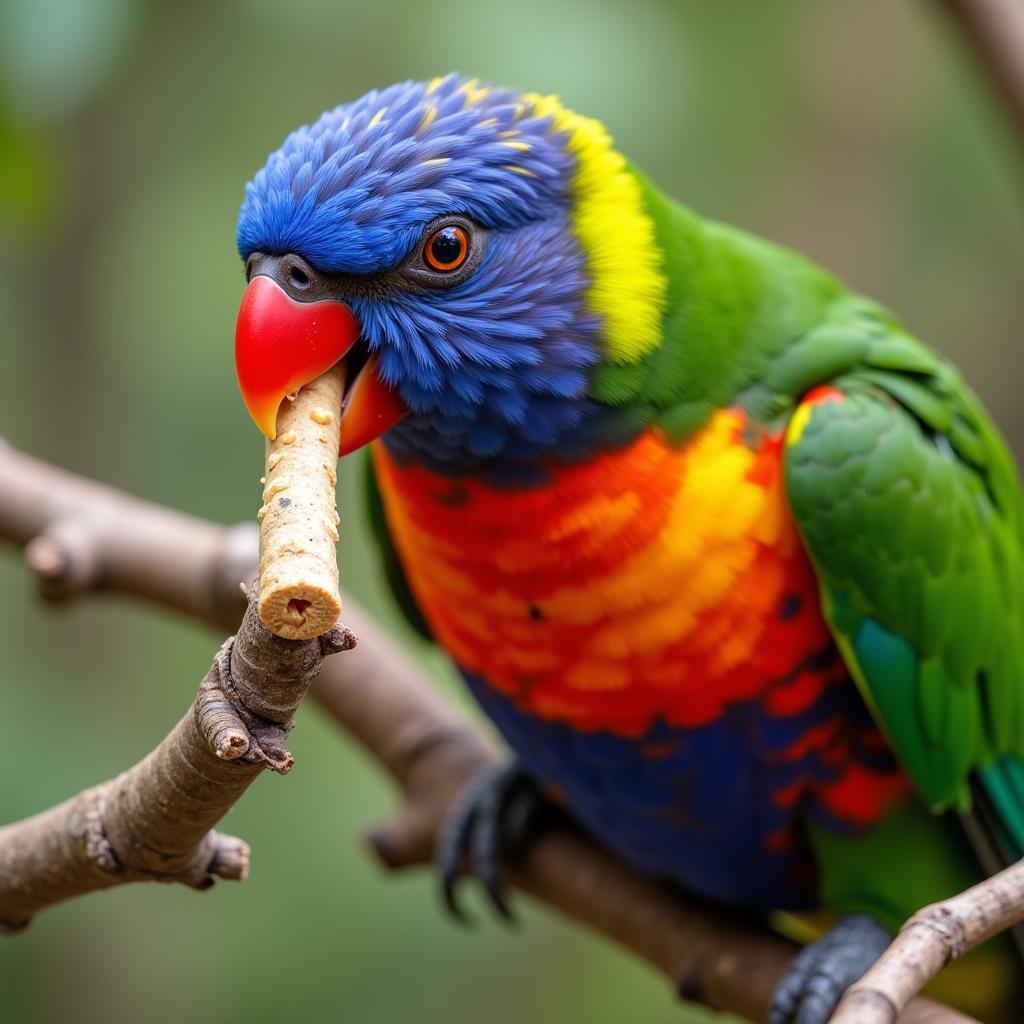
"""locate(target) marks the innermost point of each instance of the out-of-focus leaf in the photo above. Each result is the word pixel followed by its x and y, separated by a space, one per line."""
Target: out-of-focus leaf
pixel 54 53
pixel 31 183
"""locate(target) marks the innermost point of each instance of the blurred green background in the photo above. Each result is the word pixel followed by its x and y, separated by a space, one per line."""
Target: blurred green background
pixel 859 133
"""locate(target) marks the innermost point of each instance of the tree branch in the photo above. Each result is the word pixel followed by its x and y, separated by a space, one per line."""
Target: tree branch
pixel 381 698
pixel 70 529
pixel 929 941
pixel 155 821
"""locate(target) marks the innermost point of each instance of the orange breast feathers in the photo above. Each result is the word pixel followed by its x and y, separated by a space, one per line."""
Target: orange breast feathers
pixel 655 581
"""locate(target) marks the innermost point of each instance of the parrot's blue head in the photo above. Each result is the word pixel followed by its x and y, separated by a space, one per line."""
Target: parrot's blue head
pixel 489 250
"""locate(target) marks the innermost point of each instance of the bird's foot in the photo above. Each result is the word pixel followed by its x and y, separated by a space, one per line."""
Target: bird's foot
pixel 821 972
pixel 491 821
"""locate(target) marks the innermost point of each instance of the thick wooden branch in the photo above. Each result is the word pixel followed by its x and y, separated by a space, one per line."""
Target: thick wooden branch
pixel 155 821
pixel 380 697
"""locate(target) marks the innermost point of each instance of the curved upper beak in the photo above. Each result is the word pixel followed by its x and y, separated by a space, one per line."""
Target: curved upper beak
pixel 281 344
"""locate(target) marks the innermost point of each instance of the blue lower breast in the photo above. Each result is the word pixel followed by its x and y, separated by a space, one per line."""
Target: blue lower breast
pixel 698 806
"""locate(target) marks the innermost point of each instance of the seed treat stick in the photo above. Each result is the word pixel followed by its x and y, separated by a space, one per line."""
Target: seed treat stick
pixel 298 596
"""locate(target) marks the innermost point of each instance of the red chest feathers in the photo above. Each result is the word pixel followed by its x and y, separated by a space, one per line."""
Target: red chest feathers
pixel 653 582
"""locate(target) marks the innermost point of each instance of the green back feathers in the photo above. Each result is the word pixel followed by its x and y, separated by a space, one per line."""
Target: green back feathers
pixel 905 494
pixel 906 497
pixel 732 304
pixel 911 509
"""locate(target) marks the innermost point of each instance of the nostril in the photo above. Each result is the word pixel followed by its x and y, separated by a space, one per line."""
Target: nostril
pixel 297 277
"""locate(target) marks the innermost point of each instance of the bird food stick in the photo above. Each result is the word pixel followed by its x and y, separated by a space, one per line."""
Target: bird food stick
pixel 298 589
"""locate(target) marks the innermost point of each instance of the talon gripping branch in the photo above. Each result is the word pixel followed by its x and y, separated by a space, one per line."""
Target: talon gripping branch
pixel 732 560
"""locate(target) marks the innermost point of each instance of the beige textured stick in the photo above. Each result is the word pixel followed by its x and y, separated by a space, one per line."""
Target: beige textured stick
pixel 298 596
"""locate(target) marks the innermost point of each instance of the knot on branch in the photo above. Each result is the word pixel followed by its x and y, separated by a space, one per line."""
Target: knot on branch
pixel 943 927
pixel 230 858
pixel 87 829
pixel 270 674
pixel 65 557
pixel 216 856
pixel 246 703
pixel 337 639
pixel 219 722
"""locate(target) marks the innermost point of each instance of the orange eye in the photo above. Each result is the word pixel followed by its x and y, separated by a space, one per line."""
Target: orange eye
pixel 446 249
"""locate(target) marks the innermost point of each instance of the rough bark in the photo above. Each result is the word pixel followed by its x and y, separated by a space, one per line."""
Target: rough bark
pixel 380 697
pixel 155 821
pixel 930 940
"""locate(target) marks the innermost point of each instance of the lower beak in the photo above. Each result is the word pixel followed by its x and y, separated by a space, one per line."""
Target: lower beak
pixel 281 344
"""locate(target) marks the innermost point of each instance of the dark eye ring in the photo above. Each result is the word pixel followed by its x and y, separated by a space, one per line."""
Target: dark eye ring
pixel 447 249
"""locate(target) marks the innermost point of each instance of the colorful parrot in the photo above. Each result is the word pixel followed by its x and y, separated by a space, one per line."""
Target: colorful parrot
pixel 733 562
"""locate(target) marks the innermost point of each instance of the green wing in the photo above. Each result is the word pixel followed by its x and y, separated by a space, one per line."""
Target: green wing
pixel 911 509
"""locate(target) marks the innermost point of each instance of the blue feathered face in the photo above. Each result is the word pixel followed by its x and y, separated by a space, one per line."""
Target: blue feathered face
pixel 439 213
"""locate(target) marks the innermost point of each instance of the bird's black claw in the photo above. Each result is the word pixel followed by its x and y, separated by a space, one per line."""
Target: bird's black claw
pixel 492 820
pixel 821 972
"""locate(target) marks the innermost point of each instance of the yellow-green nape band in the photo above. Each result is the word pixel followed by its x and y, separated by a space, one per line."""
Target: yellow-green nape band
pixel 627 285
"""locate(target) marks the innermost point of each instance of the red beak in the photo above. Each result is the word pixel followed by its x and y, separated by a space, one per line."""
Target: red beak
pixel 281 344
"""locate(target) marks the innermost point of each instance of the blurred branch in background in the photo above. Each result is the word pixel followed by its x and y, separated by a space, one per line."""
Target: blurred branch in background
pixel 995 29
pixel 380 697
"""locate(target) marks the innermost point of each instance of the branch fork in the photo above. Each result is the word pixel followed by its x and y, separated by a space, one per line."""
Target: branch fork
pixel 155 821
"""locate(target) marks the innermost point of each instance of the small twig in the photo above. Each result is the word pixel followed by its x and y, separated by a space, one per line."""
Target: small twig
pixel 382 699
pixel 298 595
pixel 929 941
pixel 155 821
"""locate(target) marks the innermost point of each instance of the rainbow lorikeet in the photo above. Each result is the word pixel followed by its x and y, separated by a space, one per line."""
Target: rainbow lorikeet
pixel 733 561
